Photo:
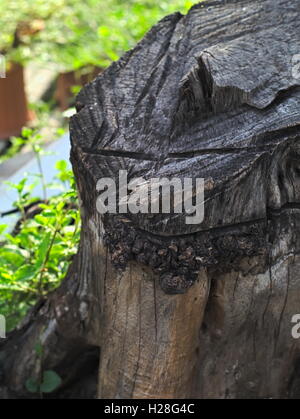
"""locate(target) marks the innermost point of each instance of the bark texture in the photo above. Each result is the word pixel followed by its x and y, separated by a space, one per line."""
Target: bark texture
pixel 186 310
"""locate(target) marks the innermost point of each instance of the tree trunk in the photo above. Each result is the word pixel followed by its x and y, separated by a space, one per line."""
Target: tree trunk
pixel 185 310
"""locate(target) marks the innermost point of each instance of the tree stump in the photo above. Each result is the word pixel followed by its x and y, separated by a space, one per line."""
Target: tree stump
pixel 186 310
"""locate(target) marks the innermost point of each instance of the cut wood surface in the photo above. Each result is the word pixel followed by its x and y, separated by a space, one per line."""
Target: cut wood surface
pixel 181 310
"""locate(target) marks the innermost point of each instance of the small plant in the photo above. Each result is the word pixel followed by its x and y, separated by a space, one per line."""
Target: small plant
pixel 35 260
pixel 32 138
pixel 47 381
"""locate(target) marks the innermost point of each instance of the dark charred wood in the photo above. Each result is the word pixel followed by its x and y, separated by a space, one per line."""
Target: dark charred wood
pixel 182 310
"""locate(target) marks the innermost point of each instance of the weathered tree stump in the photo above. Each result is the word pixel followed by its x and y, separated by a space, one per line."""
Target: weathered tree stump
pixel 182 310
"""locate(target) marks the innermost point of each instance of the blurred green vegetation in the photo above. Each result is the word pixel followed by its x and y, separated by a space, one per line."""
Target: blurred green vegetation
pixel 75 34
pixel 20 21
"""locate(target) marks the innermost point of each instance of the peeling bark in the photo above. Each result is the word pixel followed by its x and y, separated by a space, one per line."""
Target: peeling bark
pixel 181 310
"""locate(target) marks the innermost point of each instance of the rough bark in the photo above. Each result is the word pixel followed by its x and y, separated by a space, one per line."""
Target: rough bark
pixel 187 310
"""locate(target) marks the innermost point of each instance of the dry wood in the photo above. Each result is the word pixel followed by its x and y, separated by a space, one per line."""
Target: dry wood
pixel 187 310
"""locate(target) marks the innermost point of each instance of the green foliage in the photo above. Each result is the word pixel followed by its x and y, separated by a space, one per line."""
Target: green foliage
pixel 50 382
pixel 31 139
pixel 75 34
pixel 19 22
pixel 97 32
pixel 34 261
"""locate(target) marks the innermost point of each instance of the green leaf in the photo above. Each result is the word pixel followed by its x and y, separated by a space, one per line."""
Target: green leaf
pixel 32 385
pixel 43 249
pixel 9 287
pixel 3 227
pixel 104 31
pixel 42 220
pixel 51 382
pixel 39 349
pixel 26 273
pixel 12 256
pixel 61 165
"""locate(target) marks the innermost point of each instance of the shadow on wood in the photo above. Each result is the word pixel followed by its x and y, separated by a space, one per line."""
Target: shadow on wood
pixel 187 310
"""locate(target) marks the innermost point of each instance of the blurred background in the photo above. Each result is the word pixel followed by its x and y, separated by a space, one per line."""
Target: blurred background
pixel 48 51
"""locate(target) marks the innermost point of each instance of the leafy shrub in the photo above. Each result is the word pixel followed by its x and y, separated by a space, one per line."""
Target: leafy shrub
pixel 35 260
pixel 42 382
pixel 96 32
pixel 20 21
pixel 72 34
